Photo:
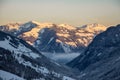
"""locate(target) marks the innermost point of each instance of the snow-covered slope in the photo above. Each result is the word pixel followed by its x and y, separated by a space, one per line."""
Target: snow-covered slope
pixel 19 58
pixel 101 59
pixel 26 27
pixel 46 42
pixel 9 76
pixel 10 28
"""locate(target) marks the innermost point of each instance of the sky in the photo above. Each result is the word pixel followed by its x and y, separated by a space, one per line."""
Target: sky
pixel 72 12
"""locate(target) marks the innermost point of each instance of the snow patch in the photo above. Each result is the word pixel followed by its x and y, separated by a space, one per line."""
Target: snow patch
pixel 39 79
pixel 42 31
pixel 65 47
pixel 50 40
pixel 38 42
pixel 37 68
pixel 99 54
pixel 9 76
pixel 0 55
pixel 56 74
pixel 67 78
pixel 9 38
pixel 117 59
pixel 43 70
pixel 116 35
pixel 19 50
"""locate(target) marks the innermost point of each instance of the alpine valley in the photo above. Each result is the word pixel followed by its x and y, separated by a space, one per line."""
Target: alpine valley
pixel 47 51
pixel 20 61
pixel 55 41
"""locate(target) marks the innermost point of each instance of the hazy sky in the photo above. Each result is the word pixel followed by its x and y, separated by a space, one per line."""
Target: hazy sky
pixel 73 12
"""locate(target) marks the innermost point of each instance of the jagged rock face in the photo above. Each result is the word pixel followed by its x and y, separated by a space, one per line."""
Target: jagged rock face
pixel 25 28
pixel 19 58
pixel 46 41
pixel 31 32
pixel 101 59
pixel 75 37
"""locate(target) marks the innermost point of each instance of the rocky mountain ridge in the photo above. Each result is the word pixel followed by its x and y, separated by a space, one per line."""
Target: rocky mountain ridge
pixel 101 59
pixel 74 38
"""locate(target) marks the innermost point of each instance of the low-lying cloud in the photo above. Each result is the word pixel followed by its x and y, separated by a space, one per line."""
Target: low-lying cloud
pixel 61 57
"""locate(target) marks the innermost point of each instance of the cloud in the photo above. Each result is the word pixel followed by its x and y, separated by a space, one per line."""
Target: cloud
pixel 61 57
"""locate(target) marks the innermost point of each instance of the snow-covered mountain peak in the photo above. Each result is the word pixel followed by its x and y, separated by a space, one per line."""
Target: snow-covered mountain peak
pixel 67 26
pixel 26 27
pixel 34 22
pixel 94 28
pixel 10 26
pixel 29 24
pixel 94 25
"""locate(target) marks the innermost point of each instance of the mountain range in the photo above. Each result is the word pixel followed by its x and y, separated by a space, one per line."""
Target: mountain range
pixel 99 56
pixel 49 37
